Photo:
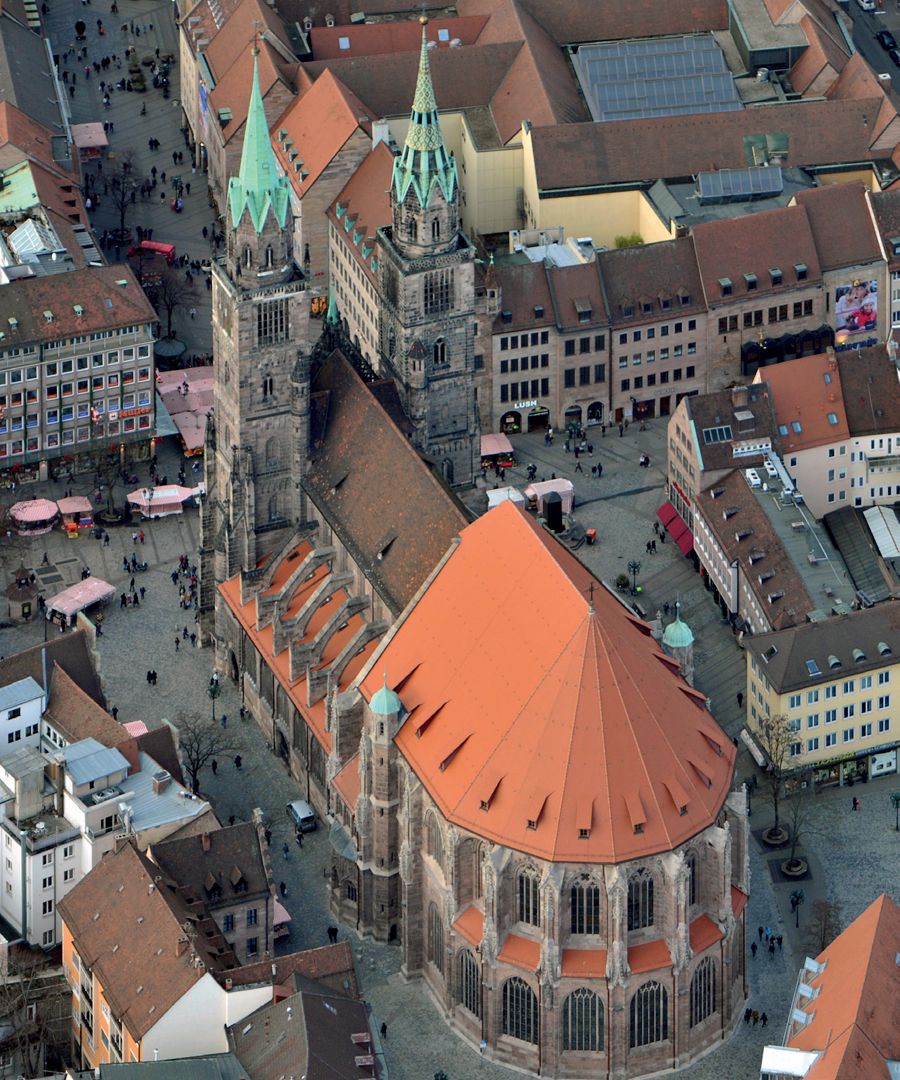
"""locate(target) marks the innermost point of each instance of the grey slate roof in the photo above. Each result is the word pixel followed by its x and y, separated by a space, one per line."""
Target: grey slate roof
pixel 18 693
pixel 214 1067
pixel 89 760
pixel 25 79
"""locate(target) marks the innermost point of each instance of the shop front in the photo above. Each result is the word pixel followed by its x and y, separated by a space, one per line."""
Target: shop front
pixel 858 768
pixel 511 422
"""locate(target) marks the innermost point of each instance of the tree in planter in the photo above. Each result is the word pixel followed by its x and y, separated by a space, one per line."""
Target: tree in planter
pixel 775 737
pixel 199 741
pixel 799 815
pixel 172 292
pixel 35 1012
pixel 123 183
pixel 826 924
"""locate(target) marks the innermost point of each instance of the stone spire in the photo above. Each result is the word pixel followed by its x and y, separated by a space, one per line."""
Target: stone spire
pixel 424 162
pixel 258 188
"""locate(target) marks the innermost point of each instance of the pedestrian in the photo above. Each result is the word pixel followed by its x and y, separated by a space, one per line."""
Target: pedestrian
pixel 648 548
pixel 131 585
pixel 748 1012
pixel 224 726
pixel 177 642
pixel 187 188
pixel 299 838
pixel 759 930
pixel 753 948
pixel 214 765
pixel 205 232
pixel 764 1019
pixel 184 632
pixel 193 313
pixel 384 1031
pixel 267 833
pixel 231 819
pixel 149 679
pixel 285 850
pixel 242 713
pixel 141 536
pixel 174 577
pixel 124 602
pixel 142 591
pixel 653 546
pixel 755 1017
pixel 740 699
pixel 771 950
pixel 238 760
pixel 282 888
pixel 578 467
pixel 193 640
pixel 621 431
pixel 333 934
pixel 780 940
pixel 155 676
pixel 134 600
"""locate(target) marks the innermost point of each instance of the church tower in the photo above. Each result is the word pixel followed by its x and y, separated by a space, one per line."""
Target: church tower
pixel 427 292
pixel 258 437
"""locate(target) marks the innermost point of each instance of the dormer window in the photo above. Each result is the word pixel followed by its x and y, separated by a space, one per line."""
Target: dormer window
pixel 800 269
pixel 775 275
pixel 726 286
pixel 647 307
pixel 628 311
pixel 751 282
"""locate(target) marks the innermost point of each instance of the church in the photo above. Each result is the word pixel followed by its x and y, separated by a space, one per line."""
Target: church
pixel 542 820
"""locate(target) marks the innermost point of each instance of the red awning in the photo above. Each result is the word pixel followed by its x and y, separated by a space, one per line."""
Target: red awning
pixel 676 528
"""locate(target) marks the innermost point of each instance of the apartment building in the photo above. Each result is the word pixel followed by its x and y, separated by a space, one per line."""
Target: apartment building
pixel 658 334
pixel 76 369
pixel 833 680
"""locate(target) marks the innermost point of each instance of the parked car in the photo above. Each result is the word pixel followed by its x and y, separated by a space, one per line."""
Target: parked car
pixel 886 40
pixel 302 815
pixel 894 54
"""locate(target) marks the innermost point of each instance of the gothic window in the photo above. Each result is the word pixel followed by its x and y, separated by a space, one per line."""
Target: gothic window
pixel 273 452
pixel 640 900
pixel 435 938
pixel 412 229
pixel 272 322
pixel 649 1021
pixel 691 863
pixel 274 515
pixel 520 1010
pixel 435 840
pixel 248 257
pixel 703 991
pixel 268 386
pixel 392 343
pixel 435 229
pixel 438 291
pixel 477 873
pixel 469 977
pixel 529 898
pixel 583 1021
pixel 270 261
pixel 585 898
pixel 350 890
pixel 439 352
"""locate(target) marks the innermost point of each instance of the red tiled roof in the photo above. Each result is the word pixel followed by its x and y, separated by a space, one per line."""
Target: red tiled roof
pixel 738 900
pixel 521 952
pixel 703 933
pixel 370 39
pixel 571 285
pixel 366 199
pixel 751 244
pixel 584 963
pixel 578 21
pixel 347 783
pixel 853 1016
pixel 649 957
pixel 842 224
pixel 823 53
pixel 471 924
pixel 317 123
pixel 801 395
pixel 592 716
pixel 232 91
pixel 235 39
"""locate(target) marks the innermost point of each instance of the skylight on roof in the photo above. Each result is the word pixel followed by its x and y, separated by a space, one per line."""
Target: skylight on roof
pixel 832 419
pixel 812 668
pixel 443 34
pixel 796 427
pixel 827 377
pixel 343 43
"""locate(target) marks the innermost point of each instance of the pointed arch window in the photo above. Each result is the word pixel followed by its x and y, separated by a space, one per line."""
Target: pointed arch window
pixel 435 229
pixel 270 258
pixel 435 937
pixel 520 1010
pixel 691 862
pixel 435 840
pixel 248 256
pixel 640 900
pixel 412 229
pixel 439 353
pixel 649 1019
pixel 703 991
pixel 585 904
pixel 583 1021
pixel 469 982
pixel 528 906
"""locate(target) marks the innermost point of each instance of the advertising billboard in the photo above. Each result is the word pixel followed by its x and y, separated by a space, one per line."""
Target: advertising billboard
pixel 856 307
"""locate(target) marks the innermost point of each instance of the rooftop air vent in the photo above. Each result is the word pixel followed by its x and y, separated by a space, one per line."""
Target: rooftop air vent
pixel 884 649
pixel 729 512
pixel 859 657
pixel 742 534
pixel 773 596
pixel 833 662
pixel 506 316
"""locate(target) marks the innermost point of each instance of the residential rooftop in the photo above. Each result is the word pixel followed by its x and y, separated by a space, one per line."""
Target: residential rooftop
pixel 18 693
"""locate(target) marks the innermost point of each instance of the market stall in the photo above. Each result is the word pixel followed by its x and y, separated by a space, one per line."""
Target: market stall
pixel 496 496
pixel 90 140
pixel 33 518
pixel 77 513
pixel 536 493
pixel 164 500
pixel 497 451
pixel 79 597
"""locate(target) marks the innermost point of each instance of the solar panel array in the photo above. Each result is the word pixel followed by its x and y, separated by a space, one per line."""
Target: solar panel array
pixel 740 185
pixel 625 80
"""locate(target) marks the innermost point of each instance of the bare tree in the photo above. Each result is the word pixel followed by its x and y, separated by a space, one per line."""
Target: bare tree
pixel 825 925
pixel 199 741
pixel 170 293
pixel 775 737
pixel 799 813
pixel 34 1011
pixel 122 187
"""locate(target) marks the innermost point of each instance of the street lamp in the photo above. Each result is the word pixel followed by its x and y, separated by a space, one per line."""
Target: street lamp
pixel 634 568
pixel 797 898
pixel 895 799
pixel 214 689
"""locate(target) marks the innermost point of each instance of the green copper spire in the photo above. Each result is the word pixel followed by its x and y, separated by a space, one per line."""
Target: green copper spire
pixel 424 162
pixel 332 315
pixel 257 187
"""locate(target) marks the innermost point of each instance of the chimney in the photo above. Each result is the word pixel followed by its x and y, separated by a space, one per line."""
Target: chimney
pixel 181 946
pixel 228 984
pixel 740 395
pixel 161 781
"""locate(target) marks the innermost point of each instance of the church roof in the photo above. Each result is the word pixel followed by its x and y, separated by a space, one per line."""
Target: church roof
pixel 258 188
pixel 424 162
pixel 678 635
pixel 543 716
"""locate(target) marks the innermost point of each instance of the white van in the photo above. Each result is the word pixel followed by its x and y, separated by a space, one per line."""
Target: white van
pixel 302 815
pixel 866 5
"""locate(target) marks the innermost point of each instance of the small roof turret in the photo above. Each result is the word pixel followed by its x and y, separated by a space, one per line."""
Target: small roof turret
pixel 384 701
pixel 678 635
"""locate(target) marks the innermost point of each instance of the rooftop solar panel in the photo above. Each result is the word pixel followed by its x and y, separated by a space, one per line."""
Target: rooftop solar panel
pixel 740 185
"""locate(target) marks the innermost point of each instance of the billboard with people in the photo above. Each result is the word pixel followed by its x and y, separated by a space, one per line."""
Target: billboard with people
pixel 856 307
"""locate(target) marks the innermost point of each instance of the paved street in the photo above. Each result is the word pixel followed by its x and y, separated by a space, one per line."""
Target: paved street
pixel 146 25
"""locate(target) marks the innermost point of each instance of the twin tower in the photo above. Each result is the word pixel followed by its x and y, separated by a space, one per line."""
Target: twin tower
pixel 258 441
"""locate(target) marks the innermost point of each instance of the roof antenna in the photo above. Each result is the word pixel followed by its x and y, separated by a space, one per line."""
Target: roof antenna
pixel 590 591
